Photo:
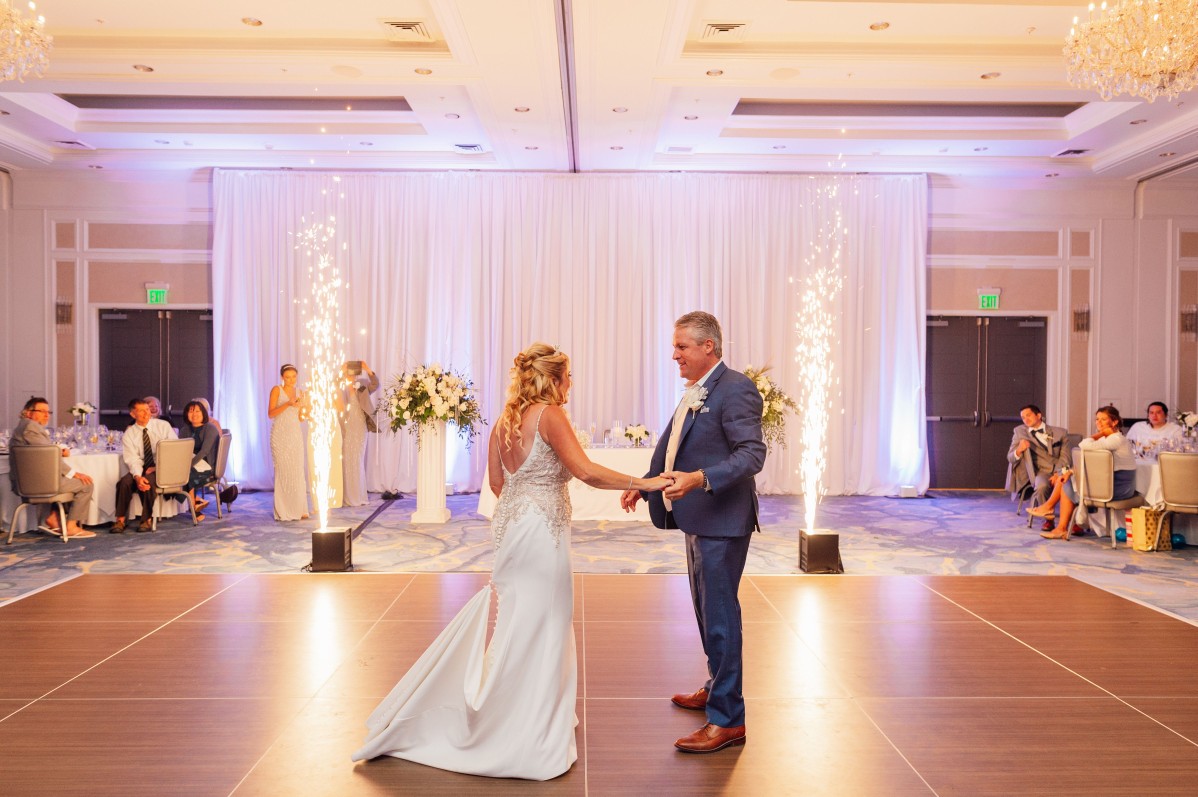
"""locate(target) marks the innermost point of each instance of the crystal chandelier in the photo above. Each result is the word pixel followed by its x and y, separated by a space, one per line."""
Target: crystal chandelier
pixel 24 47
pixel 1146 48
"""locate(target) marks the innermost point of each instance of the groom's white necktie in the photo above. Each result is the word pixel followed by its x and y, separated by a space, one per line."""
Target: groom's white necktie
pixel 676 433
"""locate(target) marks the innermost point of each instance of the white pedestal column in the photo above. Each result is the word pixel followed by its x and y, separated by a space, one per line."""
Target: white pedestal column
pixel 430 475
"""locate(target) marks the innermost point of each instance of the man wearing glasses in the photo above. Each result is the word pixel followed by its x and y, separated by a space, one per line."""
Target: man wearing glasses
pixel 31 431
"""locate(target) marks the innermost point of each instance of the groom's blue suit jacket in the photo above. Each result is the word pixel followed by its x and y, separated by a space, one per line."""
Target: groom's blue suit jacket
pixel 723 439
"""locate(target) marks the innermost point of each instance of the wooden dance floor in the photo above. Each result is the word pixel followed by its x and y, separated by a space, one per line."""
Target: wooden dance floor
pixel 856 685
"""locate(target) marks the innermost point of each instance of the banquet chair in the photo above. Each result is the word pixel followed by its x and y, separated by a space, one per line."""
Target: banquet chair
pixel 37 473
pixel 1179 485
pixel 173 470
pixel 216 478
pixel 1098 487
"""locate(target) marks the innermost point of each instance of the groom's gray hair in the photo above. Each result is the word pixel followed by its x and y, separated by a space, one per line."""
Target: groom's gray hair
pixel 703 326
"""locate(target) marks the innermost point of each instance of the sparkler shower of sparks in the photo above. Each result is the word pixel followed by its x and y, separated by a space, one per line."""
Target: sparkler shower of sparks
pixel 324 352
pixel 815 326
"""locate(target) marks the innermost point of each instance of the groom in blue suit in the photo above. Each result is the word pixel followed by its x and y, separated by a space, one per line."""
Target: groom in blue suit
pixel 712 448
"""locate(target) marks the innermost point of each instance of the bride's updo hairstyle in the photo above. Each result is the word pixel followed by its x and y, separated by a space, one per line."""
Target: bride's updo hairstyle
pixel 537 374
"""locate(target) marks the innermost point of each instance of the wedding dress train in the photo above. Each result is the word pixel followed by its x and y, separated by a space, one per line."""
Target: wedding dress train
pixel 504 709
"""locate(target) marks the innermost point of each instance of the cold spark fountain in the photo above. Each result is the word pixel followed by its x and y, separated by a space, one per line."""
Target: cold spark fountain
pixel 816 328
pixel 324 352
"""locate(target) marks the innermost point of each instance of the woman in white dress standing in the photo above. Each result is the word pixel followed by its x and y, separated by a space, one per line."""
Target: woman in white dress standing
pixel 360 382
pixel 507 709
pixel 287 408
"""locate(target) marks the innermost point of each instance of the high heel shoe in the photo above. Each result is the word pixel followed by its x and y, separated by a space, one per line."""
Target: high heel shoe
pixel 1041 511
pixel 1055 535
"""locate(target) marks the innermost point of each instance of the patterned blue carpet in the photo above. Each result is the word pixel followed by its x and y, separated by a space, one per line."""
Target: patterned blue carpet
pixel 945 534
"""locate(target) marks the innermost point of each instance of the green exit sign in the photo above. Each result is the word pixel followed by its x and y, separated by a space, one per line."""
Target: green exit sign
pixel 988 301
pixel 155 295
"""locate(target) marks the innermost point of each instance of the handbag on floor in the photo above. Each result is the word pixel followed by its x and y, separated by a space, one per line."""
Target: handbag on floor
pixel 1145 521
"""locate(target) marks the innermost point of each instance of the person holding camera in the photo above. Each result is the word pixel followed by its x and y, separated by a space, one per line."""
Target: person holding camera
pixel 359 383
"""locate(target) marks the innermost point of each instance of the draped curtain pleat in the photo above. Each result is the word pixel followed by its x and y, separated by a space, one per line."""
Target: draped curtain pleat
pixel 466 269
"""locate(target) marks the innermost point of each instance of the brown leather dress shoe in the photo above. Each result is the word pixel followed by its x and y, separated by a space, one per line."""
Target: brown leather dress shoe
pixel 710 738
pixel 145 525
pixel 696 701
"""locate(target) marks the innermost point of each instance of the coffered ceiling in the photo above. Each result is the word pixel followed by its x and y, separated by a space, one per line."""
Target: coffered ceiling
pixel 955 87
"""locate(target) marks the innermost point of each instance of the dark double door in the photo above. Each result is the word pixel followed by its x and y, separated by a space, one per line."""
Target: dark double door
pixel 164 353
pixel 981 370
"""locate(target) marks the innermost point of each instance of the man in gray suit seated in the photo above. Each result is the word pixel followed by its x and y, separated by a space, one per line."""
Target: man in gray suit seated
pixel 31 431
pixel 1046 448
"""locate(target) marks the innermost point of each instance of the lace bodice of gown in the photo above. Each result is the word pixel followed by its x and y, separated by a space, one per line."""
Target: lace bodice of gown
pixel 539 484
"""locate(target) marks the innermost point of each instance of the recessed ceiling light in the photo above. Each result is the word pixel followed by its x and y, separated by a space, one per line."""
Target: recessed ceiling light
pixel 991 75
pixel 453 116
pixel 521 109
pixel 365 143
pixel 94 166
pixel 1167 154
pixel 532 148
pixel 1137 121
pixel 980 149
pixel 253 23
pixel 690 118
pixel 143 68
pixel 423 71
pixel 617 148
pixel 1053 174
pixel 161 141
pixel 714 72
pixel 619 109
pixel 879 26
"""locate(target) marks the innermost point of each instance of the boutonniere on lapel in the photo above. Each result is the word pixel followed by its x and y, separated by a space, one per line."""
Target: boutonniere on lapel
pixel 694 401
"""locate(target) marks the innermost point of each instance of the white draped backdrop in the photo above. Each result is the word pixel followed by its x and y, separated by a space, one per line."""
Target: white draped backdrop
pixel 466 269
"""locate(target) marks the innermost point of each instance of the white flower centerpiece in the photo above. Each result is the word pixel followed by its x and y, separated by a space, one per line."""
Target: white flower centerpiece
pixel 82 410
pixel 1188 422
pixel 430 393
pixel 637 434
pixel 775 405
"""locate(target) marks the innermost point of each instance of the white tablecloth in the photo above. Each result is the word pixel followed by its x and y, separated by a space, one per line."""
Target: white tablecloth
pixel 105 470
pixel 587 502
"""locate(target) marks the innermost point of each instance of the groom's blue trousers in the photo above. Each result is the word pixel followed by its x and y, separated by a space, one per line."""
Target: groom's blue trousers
pixel 715 565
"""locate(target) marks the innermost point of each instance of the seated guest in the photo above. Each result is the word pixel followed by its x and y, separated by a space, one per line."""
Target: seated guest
pixel 1045 445
pixel 1146 436
pixel 156 411
pixel 1108 436
pixel 205 434
pixel 138 445
pixel 208 409
pixel 31 431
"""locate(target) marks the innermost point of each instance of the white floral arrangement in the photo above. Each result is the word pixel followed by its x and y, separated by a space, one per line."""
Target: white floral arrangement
pixel 82 409
pixel 431 393
pixel 584 437
pixel 1188 421
pixel 775 405
pixel 637 433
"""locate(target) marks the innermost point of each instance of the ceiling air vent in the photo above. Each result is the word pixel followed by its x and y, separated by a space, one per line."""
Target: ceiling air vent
pixel 469 148
pixel 724 31
pixel 680 150
pixel 402 30
pixel 74 145
pixel 1070 153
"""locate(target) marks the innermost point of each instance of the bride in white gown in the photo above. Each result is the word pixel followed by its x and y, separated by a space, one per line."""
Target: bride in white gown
pixel 507 709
